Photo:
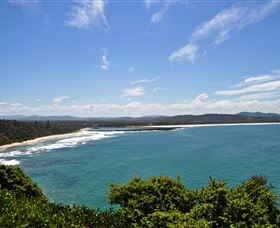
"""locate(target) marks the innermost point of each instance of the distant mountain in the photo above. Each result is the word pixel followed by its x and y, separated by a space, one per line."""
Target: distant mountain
pixel 75 118
pixel 242 117
pixel 258 114
pixel 13 117
pixel 42 118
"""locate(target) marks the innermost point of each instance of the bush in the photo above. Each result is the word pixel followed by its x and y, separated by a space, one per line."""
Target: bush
pixel 163 202
pixel 155 202
pixel 12 178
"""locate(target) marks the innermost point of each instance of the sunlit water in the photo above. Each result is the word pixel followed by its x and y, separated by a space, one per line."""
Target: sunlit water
pixel 79 170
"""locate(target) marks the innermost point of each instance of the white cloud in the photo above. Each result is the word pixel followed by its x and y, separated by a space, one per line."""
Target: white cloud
pixel 258 78
pixel 263 96
pixel 277 71
pixel 188 52
pixel 87 13
pixel 133 92
pixel 148 3
pixel 38 99
pixel 199 105
pixel 261 87
pixel 105 65
pixel 60 99
pixel 159 15
pixel 28 5
pixel 142 81
pixel 255 79
pixel 16 105
pixel 259 96
pixel 226 22
pixel 201 98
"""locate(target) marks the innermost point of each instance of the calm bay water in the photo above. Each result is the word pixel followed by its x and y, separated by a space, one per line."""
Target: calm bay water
pixel 81 173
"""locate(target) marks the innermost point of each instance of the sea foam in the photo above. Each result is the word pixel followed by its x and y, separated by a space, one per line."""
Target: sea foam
pixel 9 162
pixel 82 138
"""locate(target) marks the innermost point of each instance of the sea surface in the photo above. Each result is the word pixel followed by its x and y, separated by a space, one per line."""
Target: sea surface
pixel 79 170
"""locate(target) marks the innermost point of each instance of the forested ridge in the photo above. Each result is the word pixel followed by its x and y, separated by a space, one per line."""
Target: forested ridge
pixel 154 202
pixel 15 131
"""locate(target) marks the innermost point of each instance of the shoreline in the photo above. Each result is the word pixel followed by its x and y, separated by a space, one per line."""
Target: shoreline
pixel 212 125
pixel 3 148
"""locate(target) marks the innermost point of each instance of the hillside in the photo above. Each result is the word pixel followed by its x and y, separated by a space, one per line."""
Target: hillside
pixel 15 131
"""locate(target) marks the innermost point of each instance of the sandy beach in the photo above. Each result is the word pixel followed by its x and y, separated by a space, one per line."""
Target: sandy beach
pixel 77 133
pixel 41 139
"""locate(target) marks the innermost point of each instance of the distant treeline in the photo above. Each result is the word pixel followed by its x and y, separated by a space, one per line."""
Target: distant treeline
pixel 14 131
pixel 186 119
pixel 17 131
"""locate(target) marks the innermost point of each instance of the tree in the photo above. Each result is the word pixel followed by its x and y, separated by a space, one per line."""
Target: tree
pixel 164 202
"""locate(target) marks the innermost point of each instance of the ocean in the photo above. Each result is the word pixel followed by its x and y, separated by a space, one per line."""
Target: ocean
pixel 79 170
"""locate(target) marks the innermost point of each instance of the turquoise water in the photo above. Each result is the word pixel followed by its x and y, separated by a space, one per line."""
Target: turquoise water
pixel 81 173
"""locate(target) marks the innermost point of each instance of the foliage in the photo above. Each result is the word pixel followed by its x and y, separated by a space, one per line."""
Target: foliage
pixel 24 205
pixel 164 202
pixel 24 211
pixel 12 178
pixel 155 202
pixel 14 131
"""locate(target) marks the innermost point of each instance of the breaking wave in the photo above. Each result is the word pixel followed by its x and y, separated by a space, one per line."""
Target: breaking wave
pixel 82 138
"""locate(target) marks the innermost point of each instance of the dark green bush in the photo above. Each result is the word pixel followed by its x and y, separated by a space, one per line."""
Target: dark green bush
pixel 163 202
pixel 155 202
pixel 12 178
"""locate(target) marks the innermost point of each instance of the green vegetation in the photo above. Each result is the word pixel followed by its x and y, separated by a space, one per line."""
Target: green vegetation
pixel 17 131
pixel 24 205
pixel 155 202
pixel 14 131
pixel 163 202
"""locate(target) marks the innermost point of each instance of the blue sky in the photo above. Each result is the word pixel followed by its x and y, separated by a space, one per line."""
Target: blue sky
pixel 134 58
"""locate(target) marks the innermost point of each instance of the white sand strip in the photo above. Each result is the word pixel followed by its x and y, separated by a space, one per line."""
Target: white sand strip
pixel 41 139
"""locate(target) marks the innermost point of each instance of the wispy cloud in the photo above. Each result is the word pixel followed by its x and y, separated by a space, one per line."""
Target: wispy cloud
pixel 133 92
pixel 254 84
pixel 255 79
pixel 262 96
pixel 220 27
pixel 156 89
pixel 159 15
pixel 200 99
pixel 258 96
pixel 258 78
pixel 261 87
pixel 105 65
pixel 60 99
pixel 27 5
pixel 143 81
pixel 148 3
pixel 86 14
pixel 188 52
